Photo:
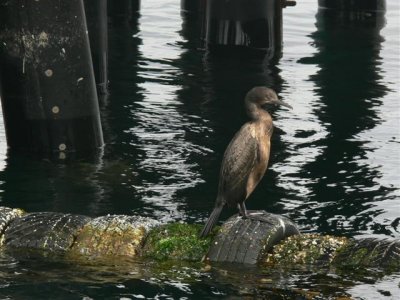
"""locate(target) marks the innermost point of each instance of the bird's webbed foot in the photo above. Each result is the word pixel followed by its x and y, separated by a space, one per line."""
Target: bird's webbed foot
pixel 253 215
pixel 256 216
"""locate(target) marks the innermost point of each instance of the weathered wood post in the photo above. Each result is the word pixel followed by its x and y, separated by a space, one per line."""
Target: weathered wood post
pixel 256 24
pixel 96 16
pixel 46 76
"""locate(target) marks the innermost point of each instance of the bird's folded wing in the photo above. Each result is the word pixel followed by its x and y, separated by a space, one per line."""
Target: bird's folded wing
pixel 239 159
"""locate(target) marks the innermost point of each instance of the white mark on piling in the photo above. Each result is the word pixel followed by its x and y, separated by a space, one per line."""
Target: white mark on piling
pixel 62 155
pixel 42 39
pixel 62 147
pixel 55 109
pixel 79 80
pixel 48 72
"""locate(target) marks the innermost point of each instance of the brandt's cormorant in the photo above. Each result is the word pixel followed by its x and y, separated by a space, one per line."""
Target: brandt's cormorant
pixel 246 157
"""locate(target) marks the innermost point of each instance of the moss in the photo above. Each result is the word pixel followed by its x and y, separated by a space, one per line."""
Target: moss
pixel 355 258
pixel 177 241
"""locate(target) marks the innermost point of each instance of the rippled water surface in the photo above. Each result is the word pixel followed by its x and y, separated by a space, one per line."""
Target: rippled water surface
pixel 172 110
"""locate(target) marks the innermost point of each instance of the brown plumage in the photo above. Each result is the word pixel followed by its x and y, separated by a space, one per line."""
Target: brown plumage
pixel 246 157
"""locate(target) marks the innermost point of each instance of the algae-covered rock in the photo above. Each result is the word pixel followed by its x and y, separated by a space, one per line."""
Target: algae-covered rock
pixel 370 252
pixel 305 249
pixel 47 231
pixel 116 235
pixel 6 216
pixel 177 241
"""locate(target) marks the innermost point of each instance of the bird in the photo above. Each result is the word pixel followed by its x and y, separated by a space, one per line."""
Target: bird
pixel 246 158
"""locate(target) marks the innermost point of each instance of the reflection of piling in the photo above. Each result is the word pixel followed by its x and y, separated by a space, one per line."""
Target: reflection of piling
pixel 193 17
pixel 96 15
pixel 366 14
pixel 237 23
pixel 48 89
pixel 192 6
pixel 123 11
pixel 354 5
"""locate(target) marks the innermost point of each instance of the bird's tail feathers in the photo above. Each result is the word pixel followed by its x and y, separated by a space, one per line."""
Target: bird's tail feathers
pixel 211 221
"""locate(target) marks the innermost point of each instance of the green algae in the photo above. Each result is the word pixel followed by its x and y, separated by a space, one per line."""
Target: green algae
pixel 177 241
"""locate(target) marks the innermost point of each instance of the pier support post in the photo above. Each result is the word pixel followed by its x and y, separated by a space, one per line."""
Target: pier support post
pixel 96 16
pixel 239 23
pixel 49 95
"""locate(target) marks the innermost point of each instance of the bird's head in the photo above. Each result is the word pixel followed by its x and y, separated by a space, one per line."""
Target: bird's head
pixel 261 96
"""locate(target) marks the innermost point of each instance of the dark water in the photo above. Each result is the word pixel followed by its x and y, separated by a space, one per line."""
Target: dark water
pixel 173 108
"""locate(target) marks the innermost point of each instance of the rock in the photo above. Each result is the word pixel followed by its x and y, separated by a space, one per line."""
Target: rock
pixel 370 252
pixel 305 249
pixel 112 236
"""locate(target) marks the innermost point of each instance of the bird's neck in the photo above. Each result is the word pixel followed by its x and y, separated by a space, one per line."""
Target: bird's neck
pixel 256 113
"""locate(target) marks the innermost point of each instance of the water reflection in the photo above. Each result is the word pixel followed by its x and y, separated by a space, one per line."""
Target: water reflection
pixel 139 279
pixel 349 86
pixel 26 180
pixel 159 128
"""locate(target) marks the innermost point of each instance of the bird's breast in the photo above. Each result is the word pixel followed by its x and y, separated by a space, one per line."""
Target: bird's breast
pixel 263 149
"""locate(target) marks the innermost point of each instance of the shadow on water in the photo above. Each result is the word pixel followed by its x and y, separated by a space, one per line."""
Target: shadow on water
pixel 349 88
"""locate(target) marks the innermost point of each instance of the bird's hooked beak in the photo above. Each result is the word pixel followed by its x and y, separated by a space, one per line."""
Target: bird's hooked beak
pixel 280 102
pixel 277 101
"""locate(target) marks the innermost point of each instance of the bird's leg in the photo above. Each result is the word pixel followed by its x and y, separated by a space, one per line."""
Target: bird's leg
pixel 256 216
pixel 242 210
